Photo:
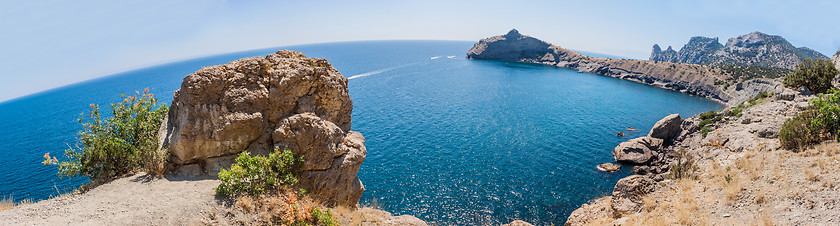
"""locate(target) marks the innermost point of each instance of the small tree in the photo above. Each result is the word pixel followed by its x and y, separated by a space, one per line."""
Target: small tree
pixel 120 144
pixel 814 74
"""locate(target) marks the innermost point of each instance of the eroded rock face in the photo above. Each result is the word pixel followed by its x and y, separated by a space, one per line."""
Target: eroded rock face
pixel 628 192
pixel 666 128
pixel 281 100
pixel 638 151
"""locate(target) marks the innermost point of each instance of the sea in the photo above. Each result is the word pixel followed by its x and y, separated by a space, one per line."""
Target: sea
pixel 449 140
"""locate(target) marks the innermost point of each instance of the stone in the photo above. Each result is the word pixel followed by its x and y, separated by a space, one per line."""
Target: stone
pixel 746 120
pixel 628 192
pixel 788 95
pixel 641 150
pixel 666 128
pixel 609 167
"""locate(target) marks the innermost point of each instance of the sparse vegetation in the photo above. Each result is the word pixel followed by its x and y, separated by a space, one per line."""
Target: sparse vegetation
pixel 814 74
pixel 741 73
pixel 9 203
pixel 684 168
pixel 706 119
pixel 757 99
pixel 120 144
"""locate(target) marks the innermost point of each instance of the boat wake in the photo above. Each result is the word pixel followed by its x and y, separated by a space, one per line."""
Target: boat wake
pixel 434 57
pixel 379 71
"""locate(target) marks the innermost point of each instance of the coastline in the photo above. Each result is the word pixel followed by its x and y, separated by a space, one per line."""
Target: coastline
pixel 699 80
pixel 738 171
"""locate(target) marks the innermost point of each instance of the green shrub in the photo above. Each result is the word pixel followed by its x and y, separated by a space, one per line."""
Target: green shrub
pixel 798 132
pixel 705 130
pixel 256 175
pixel 814 74
pixel 684 168
pixel 705 122
pixel 708 115
pixel 828 107
pixel 120 144
pixel 323 217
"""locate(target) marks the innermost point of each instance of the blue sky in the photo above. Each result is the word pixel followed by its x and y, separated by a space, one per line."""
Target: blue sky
pixel 47 44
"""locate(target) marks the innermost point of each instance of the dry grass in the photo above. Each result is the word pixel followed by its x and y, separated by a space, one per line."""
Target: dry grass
pixel 283 207
pixel 9 203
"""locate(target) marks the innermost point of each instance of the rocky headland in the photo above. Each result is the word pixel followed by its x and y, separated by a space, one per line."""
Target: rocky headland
pixel 710 82
pixel 257 104
pixel 753 49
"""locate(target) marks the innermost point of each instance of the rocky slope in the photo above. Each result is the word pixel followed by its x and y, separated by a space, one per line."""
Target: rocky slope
pixel 742 176
pixel 283 100
pixel 705 81
pixel 836 60
pixel 754 49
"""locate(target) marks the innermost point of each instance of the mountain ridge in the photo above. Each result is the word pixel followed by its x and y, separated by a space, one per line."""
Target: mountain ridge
pixel 753 49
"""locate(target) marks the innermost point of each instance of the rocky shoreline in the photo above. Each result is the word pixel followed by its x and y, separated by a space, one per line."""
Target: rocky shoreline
pixel 732 177
pixel 700 80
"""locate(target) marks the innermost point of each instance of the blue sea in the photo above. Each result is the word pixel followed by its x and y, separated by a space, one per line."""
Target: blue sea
pixel 449 140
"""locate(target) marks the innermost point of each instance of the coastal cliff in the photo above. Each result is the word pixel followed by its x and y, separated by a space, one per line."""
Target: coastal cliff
pixel 753 49
pixel 705 81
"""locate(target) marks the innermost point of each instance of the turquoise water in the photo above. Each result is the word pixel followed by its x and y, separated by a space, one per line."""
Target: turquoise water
pixel 449 140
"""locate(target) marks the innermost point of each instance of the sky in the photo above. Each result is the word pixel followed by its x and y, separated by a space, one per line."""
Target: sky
pixel 48 44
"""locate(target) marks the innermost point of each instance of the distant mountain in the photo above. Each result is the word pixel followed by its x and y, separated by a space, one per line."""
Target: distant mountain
pixel 753 49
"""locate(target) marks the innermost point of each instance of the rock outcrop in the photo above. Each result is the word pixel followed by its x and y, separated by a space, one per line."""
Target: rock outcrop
pixel 628 192
pixel 640 150
pixel 700 80
pixel 753 49
pixel 608 167
pixel 282 100
pixel 667 128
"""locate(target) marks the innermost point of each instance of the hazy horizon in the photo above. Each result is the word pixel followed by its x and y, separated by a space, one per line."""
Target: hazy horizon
pixel 53 44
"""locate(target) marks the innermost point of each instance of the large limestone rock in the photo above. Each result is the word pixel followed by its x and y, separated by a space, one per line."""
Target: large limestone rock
pixel 224 109
pixel 638 151
pixel 666 128
pixel 283 100
pixel 628 192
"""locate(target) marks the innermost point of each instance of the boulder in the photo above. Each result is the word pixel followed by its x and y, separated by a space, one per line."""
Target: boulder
pixel 666 128
pixel 628 192
pixel 608 167
pixel 638 151
pixel 331 157
pixel 282 100
pixel 787 94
